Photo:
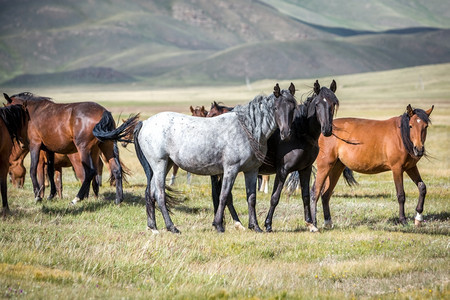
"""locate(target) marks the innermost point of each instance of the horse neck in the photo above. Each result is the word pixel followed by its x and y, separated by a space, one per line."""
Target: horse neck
pixel 258 118
pixel 308 125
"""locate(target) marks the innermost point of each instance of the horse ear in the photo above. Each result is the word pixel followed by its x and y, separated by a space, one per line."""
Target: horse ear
pixel 192 109
pixel 333 86
pixel 7 98
pixel 316 87
pixel 292 89
pixel 428 112
pixel 409 110
pixel 276 91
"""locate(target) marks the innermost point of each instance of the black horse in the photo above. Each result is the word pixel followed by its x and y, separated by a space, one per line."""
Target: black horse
pixel 312 118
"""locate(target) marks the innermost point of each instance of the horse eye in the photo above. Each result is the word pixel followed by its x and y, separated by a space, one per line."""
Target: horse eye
pixel 410 126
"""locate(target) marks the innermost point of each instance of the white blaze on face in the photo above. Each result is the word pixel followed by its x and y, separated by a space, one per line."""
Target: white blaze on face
pixel 418 120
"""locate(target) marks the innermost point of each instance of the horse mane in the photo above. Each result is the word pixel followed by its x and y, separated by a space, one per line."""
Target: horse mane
pixel 300 124
pixel 404 128
pixel 30 96
pixel 220 107
pixel 14 117
pixel 250 117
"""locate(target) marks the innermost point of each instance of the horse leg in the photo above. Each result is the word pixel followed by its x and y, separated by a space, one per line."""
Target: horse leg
pixel 51 173
pixel 95 160
pixel 228 179
pixel 333 178
pixel 4 165
pixel 174 174
pixel 40 173
pixel 34 157
pixel 216 183
pixel 250 185
pixel 111 152
pixel 159 184
pixel 305 176
pixel 398 179
pixel 280 177
pixel 414 174
pixel 99 171
pixel 89 173
pixel 323 169
pixel 234 215
pixel 58 181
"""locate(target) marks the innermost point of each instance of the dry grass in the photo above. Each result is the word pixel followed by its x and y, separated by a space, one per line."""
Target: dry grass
pixel 99 250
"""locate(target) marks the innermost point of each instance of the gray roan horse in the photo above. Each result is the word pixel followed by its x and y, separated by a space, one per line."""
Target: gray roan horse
pixel 233 142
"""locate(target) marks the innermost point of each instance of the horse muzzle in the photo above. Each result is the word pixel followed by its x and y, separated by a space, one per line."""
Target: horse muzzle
pixel 327 131
pixel 285 135
pixel 418 151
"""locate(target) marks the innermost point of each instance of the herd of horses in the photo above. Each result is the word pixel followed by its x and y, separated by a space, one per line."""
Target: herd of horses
pixel 269 135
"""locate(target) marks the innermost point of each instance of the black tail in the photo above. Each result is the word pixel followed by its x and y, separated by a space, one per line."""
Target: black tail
pixel 348 176
pixel 172 196
pixel 106 128
pixel 14 117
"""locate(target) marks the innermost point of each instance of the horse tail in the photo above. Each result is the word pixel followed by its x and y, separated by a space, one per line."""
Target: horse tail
pixel 106 129
pixel 292 183
pixel 14 117
pixel 173 197
pixel 126 172
pixel 348 176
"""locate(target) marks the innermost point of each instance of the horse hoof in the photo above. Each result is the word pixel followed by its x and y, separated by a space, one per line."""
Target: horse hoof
pixel 154 230
pixel 118 201
pixel 238 226
pixel 255 228
pixel 328 224
pixel 50 197
pixel 75 200
pixel 173 230
pixel 38 199
pixel 417 223
pixel 219 228
pixel 312 227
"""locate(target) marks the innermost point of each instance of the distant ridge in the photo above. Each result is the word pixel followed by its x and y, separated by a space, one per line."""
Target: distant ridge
pixel 94 75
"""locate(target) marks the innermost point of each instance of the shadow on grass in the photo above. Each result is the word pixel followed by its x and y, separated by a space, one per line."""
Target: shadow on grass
pixel 370 196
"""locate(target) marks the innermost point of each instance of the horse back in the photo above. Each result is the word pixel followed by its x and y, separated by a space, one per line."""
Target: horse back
pixel 61 125
pixel 363 145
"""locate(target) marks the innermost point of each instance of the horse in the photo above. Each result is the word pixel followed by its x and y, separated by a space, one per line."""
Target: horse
pixel 312 118
pixel 396 144
pixel 198 111
pixel 83 127
pixel 167 138
pixel 13 123
pixel 17 169
pixel 218 109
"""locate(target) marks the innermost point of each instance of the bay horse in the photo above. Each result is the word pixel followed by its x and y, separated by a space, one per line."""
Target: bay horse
pixel 17 170
pixel 312 118
pixel 167 138
pixel 396 144
pixel 13 123
pixel 83 127
pixel 218 109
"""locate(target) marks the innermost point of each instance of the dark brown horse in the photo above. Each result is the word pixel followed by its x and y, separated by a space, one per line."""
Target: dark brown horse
pixel 396 144
pixel 13 124
pixel 218 109
pixel 66 128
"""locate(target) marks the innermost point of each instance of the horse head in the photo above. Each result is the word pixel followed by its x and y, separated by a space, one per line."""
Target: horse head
pixel 418 124
pixel 323 105
pixel 217 109
pixel 199 111
pixel 285 105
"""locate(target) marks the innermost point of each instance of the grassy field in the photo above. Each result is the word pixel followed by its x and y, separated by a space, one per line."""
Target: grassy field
pixel 96 249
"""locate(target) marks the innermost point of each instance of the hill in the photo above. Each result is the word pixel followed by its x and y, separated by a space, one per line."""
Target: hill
pixel 210 42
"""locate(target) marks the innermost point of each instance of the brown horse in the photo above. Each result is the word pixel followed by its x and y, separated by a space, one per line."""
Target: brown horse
pixel 217 109
pixel 84 127
pixel 395 144
pixel 13 123
pixel 17 170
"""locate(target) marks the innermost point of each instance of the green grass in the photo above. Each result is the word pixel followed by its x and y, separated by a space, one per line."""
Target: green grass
pixel 96 249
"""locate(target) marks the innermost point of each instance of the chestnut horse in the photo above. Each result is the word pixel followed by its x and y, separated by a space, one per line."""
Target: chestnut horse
pixel 17 170
pixel 395 144
pixel 13 123
pixel 66 128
